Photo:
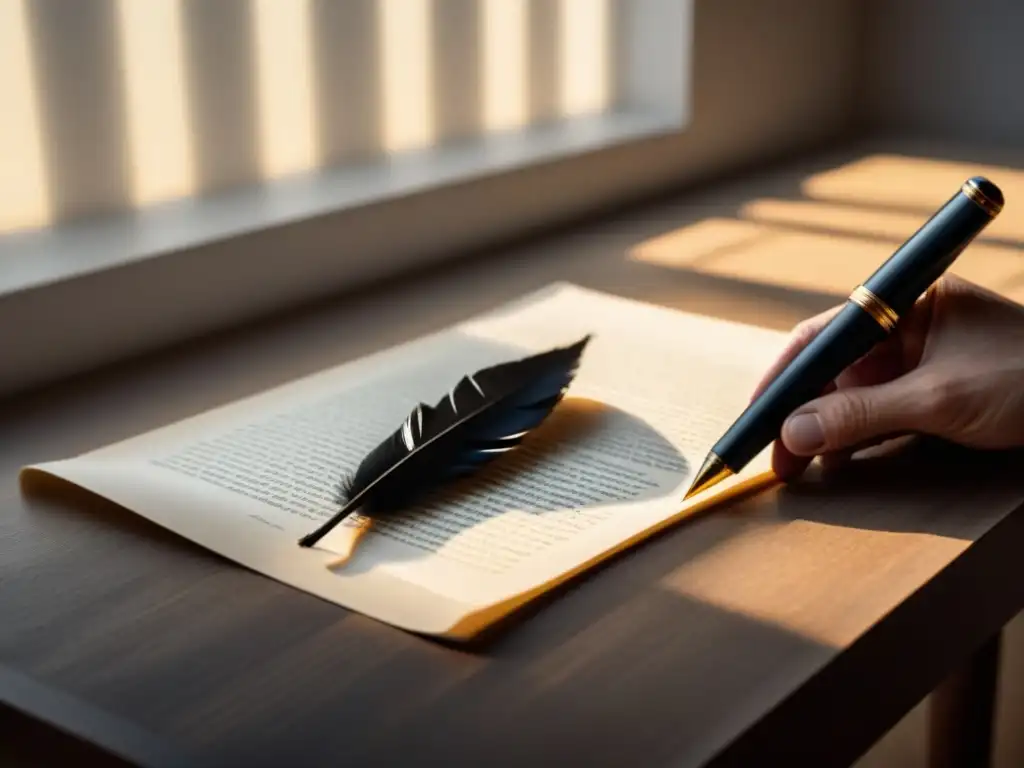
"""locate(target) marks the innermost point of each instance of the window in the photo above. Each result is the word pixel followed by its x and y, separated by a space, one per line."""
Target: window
pixel 279 148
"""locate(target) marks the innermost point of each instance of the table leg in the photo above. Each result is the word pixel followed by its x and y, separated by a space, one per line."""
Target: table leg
pixel 962 712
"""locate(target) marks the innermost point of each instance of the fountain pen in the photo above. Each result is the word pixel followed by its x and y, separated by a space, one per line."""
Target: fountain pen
pixel 870 314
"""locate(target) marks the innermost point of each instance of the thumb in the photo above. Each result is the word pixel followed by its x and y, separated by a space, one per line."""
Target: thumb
pixel 847 418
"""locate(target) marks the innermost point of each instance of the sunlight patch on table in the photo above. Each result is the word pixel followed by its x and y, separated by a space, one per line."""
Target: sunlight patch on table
pixel 895 226
pixel 922 183
pixel 821 261
pixel 825 582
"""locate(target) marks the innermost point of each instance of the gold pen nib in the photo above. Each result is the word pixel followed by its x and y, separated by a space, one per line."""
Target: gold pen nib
pixel 712 472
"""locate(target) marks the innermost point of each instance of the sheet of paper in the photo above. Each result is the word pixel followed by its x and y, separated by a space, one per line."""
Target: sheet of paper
pixel 653 392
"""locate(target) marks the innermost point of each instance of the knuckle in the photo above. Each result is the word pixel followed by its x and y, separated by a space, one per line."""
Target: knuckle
pixel 846 419
pixel 941 397
pixel 805 330
pixel 944 404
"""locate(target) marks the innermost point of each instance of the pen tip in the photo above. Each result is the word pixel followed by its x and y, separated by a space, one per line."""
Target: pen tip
pixel 712 472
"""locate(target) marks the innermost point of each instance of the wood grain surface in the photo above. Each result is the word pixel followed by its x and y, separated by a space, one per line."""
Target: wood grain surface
pixel 796 625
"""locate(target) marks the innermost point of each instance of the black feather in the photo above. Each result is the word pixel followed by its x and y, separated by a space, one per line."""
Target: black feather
pixel 485 415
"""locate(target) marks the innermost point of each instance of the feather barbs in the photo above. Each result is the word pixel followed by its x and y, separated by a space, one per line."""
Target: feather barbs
pixel 485 415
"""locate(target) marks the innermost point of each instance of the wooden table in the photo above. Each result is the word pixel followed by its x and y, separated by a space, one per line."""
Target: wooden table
pixel 796 626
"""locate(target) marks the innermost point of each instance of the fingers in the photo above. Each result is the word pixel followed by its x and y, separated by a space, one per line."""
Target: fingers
pixel 885 363
pixel 880 365
pixel 837 459
pixel 849 418
pixel 803 334
pixel 785 463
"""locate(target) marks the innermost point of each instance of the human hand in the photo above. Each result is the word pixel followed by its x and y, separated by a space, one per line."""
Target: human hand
pixel 953 369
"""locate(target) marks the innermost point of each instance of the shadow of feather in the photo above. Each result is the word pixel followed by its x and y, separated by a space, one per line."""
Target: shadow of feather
pixel 568 462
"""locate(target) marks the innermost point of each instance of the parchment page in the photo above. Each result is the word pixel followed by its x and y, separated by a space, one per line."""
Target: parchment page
pixel 654 391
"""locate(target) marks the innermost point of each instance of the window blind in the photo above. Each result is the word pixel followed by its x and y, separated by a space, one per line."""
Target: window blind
pixel 115 104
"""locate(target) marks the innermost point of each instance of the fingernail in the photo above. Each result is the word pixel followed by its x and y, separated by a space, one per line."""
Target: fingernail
pixel 803 434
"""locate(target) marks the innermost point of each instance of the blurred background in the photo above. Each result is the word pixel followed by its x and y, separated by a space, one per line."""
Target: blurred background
pixel 188 165
pixel 114 104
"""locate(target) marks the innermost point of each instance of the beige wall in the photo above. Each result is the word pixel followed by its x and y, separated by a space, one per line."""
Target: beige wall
pixel 948 68
pixel 769 78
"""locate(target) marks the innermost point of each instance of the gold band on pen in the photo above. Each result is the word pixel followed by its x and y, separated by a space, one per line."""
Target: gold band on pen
pixel 881 312
pixel 974 193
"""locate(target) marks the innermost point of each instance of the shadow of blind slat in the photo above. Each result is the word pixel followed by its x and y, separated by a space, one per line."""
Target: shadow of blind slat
pixel 76 58
pixel 543 55
pixel 348 79
pixel 456 33
pixel 221 84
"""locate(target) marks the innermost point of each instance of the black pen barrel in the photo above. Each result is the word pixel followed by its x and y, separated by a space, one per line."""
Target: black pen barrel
pixel 872 312
pixel 930 251
pixel 851 334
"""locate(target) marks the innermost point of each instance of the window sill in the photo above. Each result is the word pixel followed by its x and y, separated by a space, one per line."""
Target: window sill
pixel 41 257
pixel 91 292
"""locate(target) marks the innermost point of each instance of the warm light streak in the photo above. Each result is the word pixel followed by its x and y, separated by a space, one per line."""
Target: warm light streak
pixel 916 184
pixel 763 573
pixel 504 33
pixel 821 259
pixel 284 75
pixel 24 198
pixel 407 74
pixel 155 99
pixel 850 219
pixel 585 54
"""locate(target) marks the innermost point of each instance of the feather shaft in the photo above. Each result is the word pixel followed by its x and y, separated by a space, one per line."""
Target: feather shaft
pixel 486 414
